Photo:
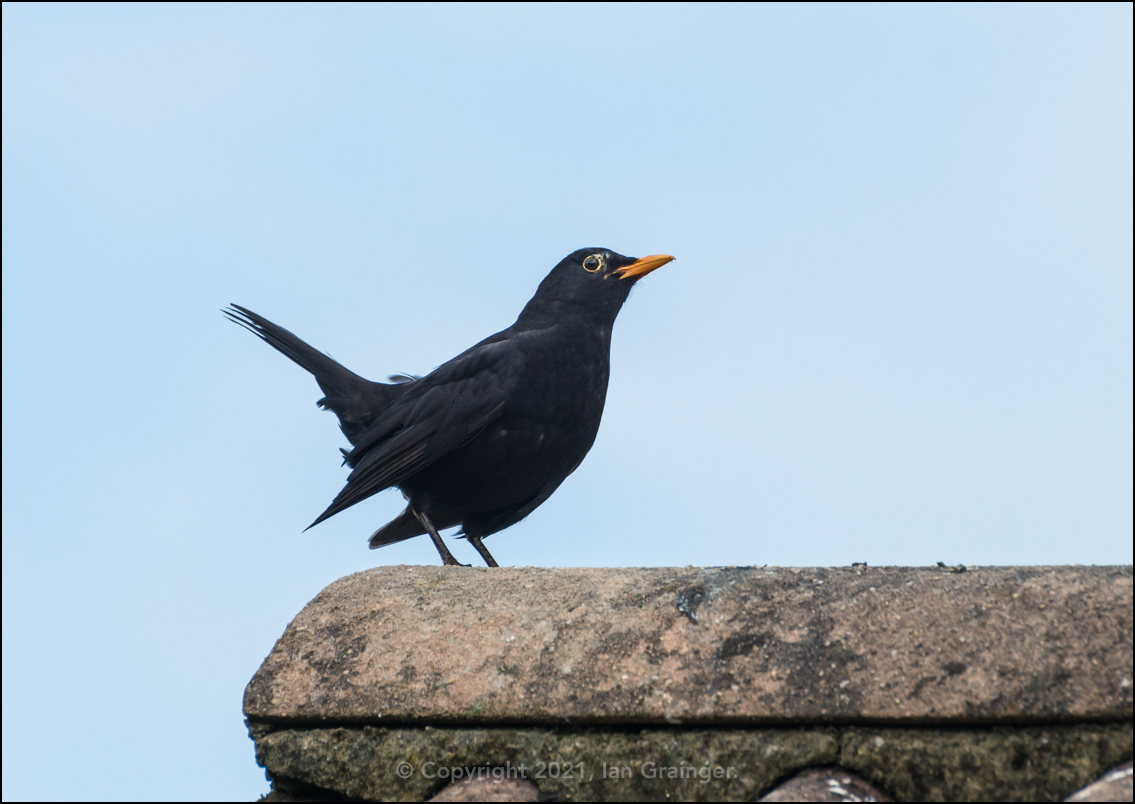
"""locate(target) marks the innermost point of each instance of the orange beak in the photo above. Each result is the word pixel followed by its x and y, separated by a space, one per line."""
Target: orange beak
pixel 644 266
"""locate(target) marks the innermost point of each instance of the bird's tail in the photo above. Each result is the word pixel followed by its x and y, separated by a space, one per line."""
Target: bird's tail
pixel 402 527
pixel 355 400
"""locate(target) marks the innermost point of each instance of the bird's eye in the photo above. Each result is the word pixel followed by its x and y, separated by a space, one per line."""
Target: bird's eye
pixel 593 263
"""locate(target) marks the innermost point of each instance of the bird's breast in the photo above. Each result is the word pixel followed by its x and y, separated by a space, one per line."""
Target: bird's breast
pixel 565 380
pixel 544 430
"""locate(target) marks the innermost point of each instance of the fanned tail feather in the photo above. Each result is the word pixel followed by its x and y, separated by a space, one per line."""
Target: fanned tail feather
pixel 355 400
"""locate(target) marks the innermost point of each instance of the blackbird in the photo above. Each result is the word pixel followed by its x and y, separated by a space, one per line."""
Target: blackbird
pixel 483 440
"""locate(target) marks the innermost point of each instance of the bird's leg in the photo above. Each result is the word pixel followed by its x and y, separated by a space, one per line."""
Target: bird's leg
pixel 475 540
pixel 446 557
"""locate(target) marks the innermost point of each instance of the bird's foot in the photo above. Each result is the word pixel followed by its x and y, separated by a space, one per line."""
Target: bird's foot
pixel 453 562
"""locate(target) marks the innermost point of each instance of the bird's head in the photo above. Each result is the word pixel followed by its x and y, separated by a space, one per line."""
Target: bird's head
pixel 595 281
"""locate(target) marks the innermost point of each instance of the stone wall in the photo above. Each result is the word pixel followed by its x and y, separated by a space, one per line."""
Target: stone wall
pixel 1006 683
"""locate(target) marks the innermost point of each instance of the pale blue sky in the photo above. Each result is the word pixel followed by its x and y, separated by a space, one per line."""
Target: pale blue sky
pixel 899 329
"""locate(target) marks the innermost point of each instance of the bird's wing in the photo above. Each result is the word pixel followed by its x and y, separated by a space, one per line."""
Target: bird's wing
pixel 437 414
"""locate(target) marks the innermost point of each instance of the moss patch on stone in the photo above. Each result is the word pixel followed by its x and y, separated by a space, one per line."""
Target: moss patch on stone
pixel 1000 764
pixel 997 764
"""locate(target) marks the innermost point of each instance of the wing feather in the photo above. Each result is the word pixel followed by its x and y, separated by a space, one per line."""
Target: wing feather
pixel 437 414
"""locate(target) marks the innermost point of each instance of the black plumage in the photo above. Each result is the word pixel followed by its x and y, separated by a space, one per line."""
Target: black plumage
pixel 485 438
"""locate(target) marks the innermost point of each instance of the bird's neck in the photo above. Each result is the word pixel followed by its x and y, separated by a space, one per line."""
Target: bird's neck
pixel 543 313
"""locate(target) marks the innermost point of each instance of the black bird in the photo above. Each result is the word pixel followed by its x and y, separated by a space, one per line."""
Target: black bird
pixel 483 440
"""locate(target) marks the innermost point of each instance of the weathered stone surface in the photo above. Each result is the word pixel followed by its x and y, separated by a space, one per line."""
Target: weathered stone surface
pixel 740 646
pixel 645 765
pixel 489 789
pixel 995 764
pixel 826 784
pixel 1001 764
pixel 1113 786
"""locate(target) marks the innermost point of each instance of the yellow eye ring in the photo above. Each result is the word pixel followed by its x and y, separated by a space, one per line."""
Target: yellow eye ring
pixel 593 263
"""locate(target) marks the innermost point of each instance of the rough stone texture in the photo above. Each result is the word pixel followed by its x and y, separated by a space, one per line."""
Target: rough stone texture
pixel 732 646
pixel 826 784
pixel 489 789
pixel 1115 785
pixel 1009 684
pixel 367 762
pixel 1026 764
pixel 994 764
